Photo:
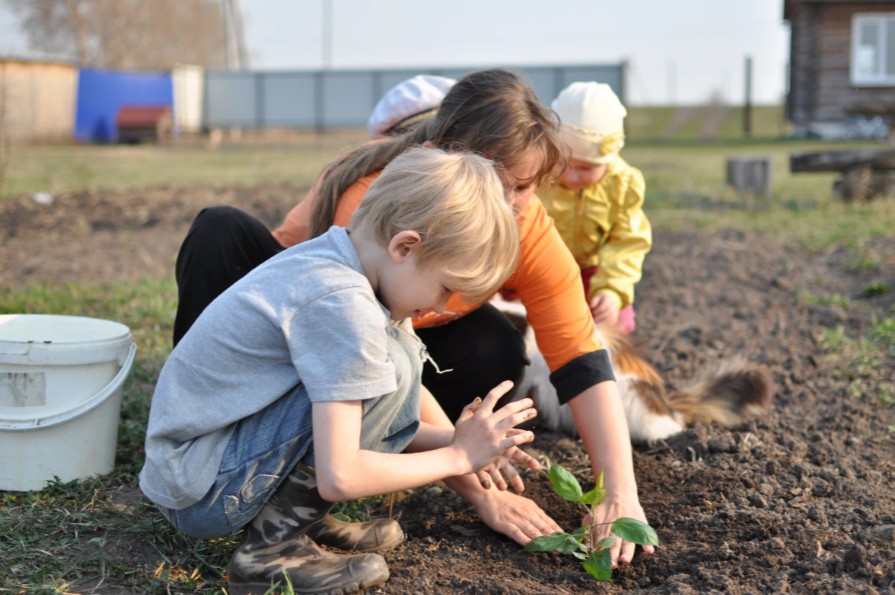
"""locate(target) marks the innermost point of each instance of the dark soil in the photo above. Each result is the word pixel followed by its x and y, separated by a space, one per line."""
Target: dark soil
pixel 799 501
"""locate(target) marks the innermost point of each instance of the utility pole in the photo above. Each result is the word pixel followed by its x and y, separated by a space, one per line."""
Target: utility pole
pixel 747 103
pixel 235 53
pixel 326 55
pixel 672 83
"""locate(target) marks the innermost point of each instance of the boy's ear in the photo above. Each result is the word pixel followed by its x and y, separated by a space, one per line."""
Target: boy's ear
pixel 403 243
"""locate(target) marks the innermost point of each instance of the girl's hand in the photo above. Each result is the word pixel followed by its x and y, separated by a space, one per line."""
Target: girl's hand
pixel 482 435
pixel 611 508
pixel 503 474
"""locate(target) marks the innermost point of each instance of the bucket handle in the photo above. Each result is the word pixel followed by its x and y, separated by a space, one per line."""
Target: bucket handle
pixel 86 406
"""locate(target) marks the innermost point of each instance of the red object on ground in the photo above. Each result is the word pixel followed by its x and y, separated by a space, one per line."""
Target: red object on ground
pixel 136 123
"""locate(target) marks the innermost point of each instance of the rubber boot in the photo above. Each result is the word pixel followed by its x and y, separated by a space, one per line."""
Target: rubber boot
pixel 276 544
pixel 380 535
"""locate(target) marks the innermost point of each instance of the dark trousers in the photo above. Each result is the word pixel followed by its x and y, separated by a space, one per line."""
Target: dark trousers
pixel 482 349
pixel 222 245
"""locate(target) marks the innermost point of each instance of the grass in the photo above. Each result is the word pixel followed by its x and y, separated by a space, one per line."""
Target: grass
pixel 686 189
pixel 856 360
pixel 74 168
pixel 704 122
pixel 75 537
pixel 825 300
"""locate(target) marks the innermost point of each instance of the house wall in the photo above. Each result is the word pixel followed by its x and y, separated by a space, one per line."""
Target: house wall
pixel 37 100
pixel 820 58
pixel 803 63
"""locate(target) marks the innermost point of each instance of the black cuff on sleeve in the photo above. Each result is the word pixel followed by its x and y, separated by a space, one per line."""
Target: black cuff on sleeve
pixel 582 373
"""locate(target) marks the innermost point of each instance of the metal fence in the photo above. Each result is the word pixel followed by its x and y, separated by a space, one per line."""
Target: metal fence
pixel 329 99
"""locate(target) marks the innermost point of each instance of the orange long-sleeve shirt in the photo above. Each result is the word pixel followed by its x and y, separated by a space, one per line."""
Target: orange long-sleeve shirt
pixel 547 279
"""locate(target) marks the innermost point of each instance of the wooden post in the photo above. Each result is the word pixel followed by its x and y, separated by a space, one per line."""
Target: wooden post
pixel 750 175
pixel 747 104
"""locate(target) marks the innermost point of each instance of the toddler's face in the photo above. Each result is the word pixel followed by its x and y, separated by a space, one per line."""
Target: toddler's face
pixel 581 174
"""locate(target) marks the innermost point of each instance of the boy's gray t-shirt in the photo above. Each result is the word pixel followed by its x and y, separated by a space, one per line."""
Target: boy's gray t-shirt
pixel 308 315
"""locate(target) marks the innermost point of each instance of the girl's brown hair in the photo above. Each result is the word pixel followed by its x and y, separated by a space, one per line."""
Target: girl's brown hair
pixel 492 112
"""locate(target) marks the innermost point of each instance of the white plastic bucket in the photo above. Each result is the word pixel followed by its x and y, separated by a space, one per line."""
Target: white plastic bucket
pixel 61 380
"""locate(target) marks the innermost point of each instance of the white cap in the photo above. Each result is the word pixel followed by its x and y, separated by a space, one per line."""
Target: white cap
pixel 592 119
pixel 407 102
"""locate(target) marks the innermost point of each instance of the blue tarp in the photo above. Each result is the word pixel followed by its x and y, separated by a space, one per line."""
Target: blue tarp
pixel 102 92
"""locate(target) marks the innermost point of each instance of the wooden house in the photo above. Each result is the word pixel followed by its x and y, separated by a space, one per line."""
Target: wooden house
pixel 842 66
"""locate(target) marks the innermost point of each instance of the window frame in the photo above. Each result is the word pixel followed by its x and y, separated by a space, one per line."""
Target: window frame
pixel 880 78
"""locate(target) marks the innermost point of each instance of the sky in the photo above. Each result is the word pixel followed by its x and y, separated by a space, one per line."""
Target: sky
pixel 678 52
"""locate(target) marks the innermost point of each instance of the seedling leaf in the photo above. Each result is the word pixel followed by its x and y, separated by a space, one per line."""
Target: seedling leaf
pixel 545 543
pixel 595 496
pixel 606 543
pixel 599 565
pixel 565 484
pixel 635 531
pixel 555 542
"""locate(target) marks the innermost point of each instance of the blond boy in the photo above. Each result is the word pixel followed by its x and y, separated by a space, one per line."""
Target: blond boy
pixel 300 385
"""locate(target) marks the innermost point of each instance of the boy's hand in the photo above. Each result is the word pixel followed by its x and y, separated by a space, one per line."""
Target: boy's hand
pixel 482 435
pixel 503 470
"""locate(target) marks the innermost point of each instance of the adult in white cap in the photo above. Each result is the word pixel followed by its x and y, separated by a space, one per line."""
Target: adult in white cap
pixel 407 103
pixel 597 202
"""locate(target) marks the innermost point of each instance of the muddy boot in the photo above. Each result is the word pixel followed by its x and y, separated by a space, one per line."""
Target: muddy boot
pixel 276 544
pixel 380 535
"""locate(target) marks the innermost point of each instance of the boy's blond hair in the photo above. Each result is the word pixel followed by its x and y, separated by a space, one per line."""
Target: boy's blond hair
pixel 456 202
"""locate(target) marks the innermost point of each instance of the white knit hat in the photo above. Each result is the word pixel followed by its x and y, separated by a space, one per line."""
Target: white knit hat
pixel 592 119
pixel 408 102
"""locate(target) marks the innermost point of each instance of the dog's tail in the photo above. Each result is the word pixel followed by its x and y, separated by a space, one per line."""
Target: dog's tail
pixel 727 395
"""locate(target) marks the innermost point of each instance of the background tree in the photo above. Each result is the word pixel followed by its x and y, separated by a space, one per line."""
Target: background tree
pixel 125 34
pixel 5 135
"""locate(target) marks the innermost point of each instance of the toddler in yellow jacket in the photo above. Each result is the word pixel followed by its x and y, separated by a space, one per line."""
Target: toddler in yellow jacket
pixel 597 202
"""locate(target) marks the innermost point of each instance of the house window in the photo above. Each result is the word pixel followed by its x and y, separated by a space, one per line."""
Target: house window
pixel 873 49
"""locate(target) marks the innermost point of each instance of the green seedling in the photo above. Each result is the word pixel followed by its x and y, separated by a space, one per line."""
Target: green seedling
pixel 595 557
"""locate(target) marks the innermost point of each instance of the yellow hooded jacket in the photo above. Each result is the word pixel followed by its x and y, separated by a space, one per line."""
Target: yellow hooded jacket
pixel 604 225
